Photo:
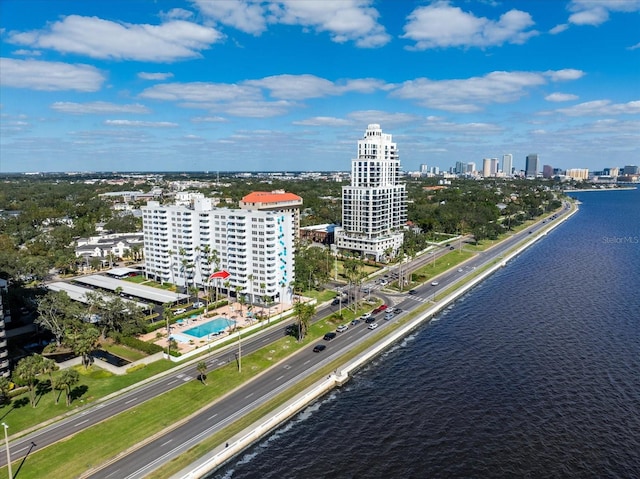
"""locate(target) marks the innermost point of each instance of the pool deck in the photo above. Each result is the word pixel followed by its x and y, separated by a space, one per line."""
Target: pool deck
pixel 230 311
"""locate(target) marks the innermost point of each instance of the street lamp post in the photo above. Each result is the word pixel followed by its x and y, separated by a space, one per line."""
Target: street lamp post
pixel 6 441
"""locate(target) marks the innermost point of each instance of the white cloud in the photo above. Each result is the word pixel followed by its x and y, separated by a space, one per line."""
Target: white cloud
pixel 596 12
pixel 602 108
pixel 98 38
pixel 208 119
pixel 559 29
pixel 389 120
pixel 257 109
pixel 295 87
pixel 27 53
pixel 634 47
pixel 98 107
pixel 441 25
pixel 558 97
pixel 468 95
pixel 329 121
pixel 154 76
pixel 138 123
pixel 49 76
pixel 246 16
pixel 201 92
pixel 344 20
pixel 564 75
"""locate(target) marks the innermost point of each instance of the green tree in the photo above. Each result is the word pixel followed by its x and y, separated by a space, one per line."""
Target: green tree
pixel 26 374
pixel 83 340
pixel 202 371
pixel 65 381
pixel 49 366
pixel 304 313
pixel 55 312
pixel 5 387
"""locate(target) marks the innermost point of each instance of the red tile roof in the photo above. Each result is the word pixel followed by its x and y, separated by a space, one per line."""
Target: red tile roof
pixel 269 197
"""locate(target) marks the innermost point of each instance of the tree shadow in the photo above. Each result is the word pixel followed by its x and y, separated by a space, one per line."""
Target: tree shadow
pixel 42 388
pixel 78 392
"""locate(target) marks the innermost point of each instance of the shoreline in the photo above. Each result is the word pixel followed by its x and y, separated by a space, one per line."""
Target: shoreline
pixel 620 188
pixel 261 428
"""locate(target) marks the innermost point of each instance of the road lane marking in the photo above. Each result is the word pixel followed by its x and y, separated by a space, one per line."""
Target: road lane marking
pixel 165 443
pixel 248 395
pixel 279 378
pixel 131 400
pixel 211 417
pixel 306 362
pixel 82 422
pixel 170 383
pixel 113 472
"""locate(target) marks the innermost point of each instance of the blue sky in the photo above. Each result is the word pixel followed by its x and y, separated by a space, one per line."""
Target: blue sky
pixel 290 85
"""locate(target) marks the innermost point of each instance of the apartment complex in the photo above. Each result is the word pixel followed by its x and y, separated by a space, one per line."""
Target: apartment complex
pixel 374 205
pixel 278 200
pixel 255 247
pixel 5 317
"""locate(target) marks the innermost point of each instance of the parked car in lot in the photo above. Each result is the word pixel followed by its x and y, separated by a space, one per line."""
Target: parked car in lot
pixel 373 325
pixel 180 311
pixel 198 304
pixel 342 328
pixel 329 336
pixel 319 348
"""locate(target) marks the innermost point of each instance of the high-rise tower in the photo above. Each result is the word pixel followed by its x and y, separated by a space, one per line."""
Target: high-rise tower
pixel 531 168
pixel 374 205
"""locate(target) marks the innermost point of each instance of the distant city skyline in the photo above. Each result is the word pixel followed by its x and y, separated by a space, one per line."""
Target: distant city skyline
pixel 285 85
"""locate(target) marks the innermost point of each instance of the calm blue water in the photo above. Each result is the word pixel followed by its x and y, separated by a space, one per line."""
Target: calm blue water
pixel 535 373
pixel 210 327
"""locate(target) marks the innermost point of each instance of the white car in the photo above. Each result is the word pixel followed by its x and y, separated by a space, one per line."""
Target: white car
pixel 365 316
pixel 342 328
pixel 435 283
pixel 198 304
pixel 373 325
pixel 180 311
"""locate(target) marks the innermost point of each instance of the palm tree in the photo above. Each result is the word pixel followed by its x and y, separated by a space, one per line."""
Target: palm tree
pixel 67 379
pixel 49 366
pixel 304 312
pixel 202 370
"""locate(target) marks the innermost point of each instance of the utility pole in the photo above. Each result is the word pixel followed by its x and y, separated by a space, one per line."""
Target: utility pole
pixel 6 441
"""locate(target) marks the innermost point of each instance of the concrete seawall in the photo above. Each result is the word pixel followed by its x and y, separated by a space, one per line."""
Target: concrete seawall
pixel 261 428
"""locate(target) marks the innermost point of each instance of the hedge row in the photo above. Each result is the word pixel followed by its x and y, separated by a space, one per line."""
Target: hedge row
pixel 135 343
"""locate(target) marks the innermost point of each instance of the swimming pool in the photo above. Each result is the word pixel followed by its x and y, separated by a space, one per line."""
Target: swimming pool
pixel 210 327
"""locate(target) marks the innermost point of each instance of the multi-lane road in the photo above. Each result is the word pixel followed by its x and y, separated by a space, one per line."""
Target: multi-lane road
pixel 259 390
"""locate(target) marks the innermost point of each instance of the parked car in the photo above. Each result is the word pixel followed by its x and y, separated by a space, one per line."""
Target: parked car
pixel 180 311
pixel 329 336
pixel 342 328
pixel 373 325
pixel 198 304
pixel 319 348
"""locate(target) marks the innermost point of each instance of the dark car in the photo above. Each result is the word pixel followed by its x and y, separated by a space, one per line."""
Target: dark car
pixel 329 336
pixel 318 348
pixel 335 301
pixel 354 322
pixel 413 291
pixel 370 320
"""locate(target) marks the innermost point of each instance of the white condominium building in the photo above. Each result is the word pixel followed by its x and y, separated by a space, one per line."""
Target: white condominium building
pixel 374 206
pixel 255 247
